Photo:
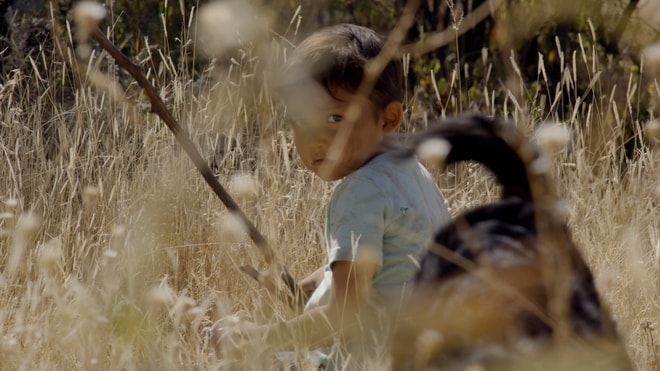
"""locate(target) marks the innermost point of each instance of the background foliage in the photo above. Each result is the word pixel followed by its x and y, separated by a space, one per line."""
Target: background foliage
pixel 529 32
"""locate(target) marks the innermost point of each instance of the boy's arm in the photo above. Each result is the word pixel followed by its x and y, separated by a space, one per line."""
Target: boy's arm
pixel 311 282
pixel 344 313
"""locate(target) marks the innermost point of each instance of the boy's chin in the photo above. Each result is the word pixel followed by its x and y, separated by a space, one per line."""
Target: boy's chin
pixel 329 173
pixel 328 177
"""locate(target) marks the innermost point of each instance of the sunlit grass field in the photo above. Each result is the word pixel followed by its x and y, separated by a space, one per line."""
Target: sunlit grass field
pixel 115 253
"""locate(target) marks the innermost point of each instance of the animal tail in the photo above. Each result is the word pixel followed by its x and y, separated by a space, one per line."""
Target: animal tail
pixel 498 145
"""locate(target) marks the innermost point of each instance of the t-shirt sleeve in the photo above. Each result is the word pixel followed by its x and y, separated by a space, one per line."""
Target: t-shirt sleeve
pixel 356 222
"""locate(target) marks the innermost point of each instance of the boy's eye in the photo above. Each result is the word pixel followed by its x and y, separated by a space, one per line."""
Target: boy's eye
pixel 335 118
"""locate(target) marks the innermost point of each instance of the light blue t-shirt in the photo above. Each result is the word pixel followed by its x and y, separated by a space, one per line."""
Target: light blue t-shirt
pixel 385 213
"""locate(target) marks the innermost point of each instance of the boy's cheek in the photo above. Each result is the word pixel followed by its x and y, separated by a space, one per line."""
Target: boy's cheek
pixel 301 140
pixel 301 150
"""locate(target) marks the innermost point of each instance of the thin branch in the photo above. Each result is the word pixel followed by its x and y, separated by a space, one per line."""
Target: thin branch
pixel 612 45
pixel 441 38
pixel 158 107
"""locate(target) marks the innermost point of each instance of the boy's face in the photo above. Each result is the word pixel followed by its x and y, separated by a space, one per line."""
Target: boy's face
pixel 321 120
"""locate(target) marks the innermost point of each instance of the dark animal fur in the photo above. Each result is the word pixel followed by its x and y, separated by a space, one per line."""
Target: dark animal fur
pixel 500 237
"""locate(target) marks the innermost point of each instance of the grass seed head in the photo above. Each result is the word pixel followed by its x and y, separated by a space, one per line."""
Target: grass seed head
pixel 7 220
pixel 161 296
pixel 224 25
pixel 434 150
pixel 50 256
pixel 541 165
pixel 110 254
pixel 652 129
pixel 86 15
pixel 183 310
pixel 26 228
pixel 90 196
pixel 563 208
pixel 553 137
pixel 231 228
pixel 28 224
pixel 11 205
pixel 118 238
pixel 651 55
pixel 244 186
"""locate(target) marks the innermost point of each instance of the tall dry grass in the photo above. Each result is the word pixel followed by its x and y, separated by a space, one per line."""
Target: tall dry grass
pixel 115 253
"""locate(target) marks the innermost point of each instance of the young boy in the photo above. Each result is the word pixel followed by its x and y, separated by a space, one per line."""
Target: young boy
pixel 381 215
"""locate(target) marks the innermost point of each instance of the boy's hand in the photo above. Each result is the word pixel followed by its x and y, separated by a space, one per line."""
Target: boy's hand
pixel 229 333
pixel 311 282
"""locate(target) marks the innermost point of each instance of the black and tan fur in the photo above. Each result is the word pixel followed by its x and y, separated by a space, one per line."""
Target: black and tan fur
pixel 502 282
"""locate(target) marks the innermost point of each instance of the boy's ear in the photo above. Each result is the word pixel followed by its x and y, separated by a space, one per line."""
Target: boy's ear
pixel 392 115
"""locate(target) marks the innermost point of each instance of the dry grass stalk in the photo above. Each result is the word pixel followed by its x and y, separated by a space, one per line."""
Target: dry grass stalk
pixel 87 18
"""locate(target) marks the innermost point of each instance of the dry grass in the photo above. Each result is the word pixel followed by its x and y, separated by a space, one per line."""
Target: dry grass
pixel 115 253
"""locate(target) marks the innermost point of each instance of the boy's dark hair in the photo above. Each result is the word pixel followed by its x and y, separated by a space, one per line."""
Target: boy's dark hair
pixel 335 57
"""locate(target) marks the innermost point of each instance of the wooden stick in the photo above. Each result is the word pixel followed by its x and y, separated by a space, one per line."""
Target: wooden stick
pixel 158 107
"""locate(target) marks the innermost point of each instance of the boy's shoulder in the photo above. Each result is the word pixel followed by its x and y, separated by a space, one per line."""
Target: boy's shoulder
pixel 384 165
pixel 391 167
pixel 385 174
